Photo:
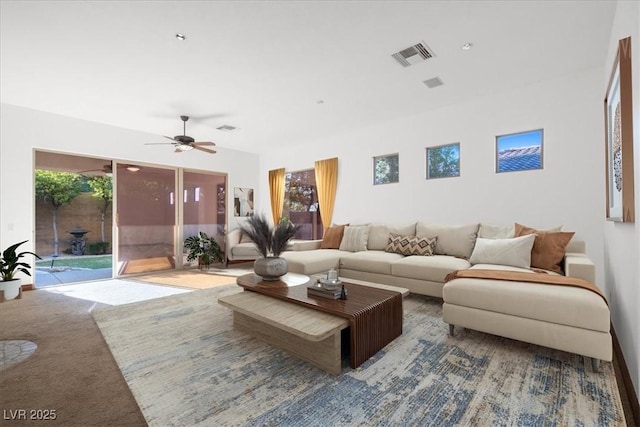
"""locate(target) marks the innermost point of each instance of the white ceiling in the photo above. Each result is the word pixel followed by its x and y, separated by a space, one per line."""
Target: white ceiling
pixel 263 66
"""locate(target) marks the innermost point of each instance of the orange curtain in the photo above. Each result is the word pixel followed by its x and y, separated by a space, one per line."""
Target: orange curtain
pixel 276 191
pixel 327 183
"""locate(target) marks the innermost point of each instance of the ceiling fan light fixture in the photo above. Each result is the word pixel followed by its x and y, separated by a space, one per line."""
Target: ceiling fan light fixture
pixel 184 147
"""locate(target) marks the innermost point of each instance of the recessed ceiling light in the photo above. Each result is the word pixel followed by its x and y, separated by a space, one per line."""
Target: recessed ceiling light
pixel 467 46
pixel 181 36
pixel 133 168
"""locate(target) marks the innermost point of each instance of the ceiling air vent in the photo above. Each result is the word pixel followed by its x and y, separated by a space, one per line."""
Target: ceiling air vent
pixel 434 82
pixel 414 54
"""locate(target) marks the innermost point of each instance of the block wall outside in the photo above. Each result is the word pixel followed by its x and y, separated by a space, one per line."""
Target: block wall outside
pixel 82 212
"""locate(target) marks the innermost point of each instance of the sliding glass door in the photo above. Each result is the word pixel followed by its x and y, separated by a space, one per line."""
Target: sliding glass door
pixel 204 205
pixel 146 218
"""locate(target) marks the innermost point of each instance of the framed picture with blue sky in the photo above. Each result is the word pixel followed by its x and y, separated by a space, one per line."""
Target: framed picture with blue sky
pixel 519 151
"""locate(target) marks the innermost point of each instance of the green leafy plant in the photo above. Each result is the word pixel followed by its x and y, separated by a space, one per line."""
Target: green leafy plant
pixel 10 262
pixel 204 247
pixel 97 248
pixel 102 189
pixel 57 188
pixel 268 239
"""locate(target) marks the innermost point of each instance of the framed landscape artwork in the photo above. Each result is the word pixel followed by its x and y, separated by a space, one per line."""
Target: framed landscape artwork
pixel 443 161
pixel 386 169
pixel 242 201
pixel 619 138
pixel 519 151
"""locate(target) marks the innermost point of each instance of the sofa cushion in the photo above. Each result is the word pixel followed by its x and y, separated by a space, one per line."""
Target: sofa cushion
pixel 332 237
pixel 514 252
pixel 355 238
pixel 548 247
pixel 411 245
pixel 432 268
pixel 379 234
pixel 488 231
pixel 245 250
pixel 370 261
pixel 244 238
pixel 313 262
pixel 454 240
pixel 564 305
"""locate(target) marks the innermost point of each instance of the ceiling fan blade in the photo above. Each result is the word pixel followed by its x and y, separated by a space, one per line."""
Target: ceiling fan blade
pixel 169 137
pixel 204 143
pixel 197 147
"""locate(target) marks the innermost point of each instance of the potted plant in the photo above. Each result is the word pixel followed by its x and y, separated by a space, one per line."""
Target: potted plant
pixel 204 248
pixel 270 242
pixel 10 264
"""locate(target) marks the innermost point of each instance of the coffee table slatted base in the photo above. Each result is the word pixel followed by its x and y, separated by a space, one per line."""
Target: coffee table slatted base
pixel 310 335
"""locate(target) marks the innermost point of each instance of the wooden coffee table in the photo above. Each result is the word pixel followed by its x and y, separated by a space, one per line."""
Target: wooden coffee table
pixel 282 314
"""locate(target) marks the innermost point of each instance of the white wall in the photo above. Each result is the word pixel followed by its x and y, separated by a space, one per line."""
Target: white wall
pixel 23 130
pixel 568 191
pixel 622 241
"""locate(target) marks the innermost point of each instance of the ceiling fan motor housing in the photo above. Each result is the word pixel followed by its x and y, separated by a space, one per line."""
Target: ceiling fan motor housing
pixel 185 139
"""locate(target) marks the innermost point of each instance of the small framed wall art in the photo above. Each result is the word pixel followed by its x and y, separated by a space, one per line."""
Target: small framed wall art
pixel 386 169
pixel 619 137
pixel 242 201
pixel 519 151
pixel 443 161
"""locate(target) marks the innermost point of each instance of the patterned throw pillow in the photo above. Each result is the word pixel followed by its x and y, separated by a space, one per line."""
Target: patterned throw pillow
pixel 411 245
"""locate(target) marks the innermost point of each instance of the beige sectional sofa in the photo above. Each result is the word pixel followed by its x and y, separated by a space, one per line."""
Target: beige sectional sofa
pixel 562 317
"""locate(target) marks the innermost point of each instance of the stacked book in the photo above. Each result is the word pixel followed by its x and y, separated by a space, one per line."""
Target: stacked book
pixel 316 290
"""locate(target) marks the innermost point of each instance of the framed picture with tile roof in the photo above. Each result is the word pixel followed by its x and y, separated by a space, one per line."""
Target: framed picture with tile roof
pixel 519 151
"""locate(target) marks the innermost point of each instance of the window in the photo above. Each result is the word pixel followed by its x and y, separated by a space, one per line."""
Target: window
pixel 301 204
pixel 519 151
pixel 386 169
pixel 443 161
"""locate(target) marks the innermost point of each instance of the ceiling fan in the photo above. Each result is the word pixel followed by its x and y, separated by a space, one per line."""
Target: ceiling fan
pixel 184 142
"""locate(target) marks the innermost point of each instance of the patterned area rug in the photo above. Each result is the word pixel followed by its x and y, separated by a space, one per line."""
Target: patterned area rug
pixel 186 365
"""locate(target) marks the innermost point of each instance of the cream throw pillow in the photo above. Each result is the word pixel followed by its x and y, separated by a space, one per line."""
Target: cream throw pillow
pixel 454 240
pixel 488 231
pixel 379 234
pixel 355 239
pixel 515 252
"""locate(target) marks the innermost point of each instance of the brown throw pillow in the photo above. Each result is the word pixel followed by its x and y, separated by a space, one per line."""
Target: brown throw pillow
pixel 332 237
pixel 411 245
pixel 548 248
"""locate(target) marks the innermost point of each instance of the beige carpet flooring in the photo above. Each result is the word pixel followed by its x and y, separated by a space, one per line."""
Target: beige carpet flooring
pixel 72 372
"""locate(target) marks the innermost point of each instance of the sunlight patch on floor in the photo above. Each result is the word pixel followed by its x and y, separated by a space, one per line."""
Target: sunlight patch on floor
pixel 114 291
